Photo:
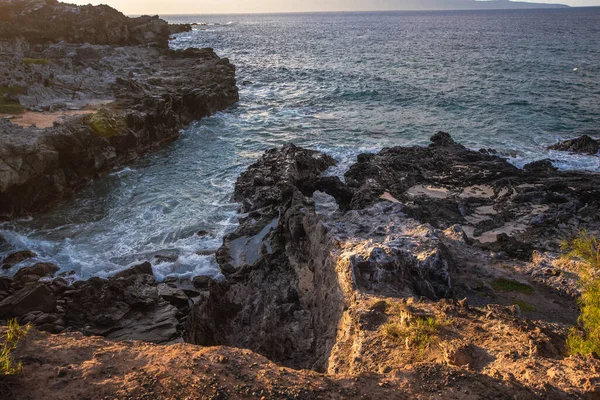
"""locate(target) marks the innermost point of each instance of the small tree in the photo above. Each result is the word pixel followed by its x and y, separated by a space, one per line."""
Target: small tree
pixel 586 341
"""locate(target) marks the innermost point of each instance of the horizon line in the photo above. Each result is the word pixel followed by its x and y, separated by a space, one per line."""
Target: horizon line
pixel 364 11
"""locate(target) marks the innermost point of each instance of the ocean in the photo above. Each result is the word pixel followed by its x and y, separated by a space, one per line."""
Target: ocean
pixel 342 83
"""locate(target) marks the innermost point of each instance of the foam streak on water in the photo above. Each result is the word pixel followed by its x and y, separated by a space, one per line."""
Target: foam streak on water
pixel 343 84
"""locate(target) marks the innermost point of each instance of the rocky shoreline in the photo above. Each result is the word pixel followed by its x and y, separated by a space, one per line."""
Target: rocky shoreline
pixel 439 233
pixel 439 274
pixel 101 88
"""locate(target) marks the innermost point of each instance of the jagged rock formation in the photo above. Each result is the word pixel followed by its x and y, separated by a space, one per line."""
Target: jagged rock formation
pixel 101 105
pixel 320 292
pixel 582 145
pixel 501 206
pixel 131 305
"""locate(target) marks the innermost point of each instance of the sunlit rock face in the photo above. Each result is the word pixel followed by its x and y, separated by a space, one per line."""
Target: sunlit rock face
pixel 394 255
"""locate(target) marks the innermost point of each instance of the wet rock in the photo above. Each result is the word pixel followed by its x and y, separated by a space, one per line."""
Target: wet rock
pixel 31 298
pixel 162 258
pixel 581 145
pixel 202 282
pixel 15 258
pixel 34 273
pixel 541 167
pixel 175 296
pixel 140 269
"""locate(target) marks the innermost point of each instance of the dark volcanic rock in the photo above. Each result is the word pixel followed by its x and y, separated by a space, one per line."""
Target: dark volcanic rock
pixel 34 273
pixel 447 184
pixel 140 269
pixel 293 275
pixel 541 167
pixel 31 298
pixel 139 97
pixel 582 145
pixel 125 308
pixel 16 258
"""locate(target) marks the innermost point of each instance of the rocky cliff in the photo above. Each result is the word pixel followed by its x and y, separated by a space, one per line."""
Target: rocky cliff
pixel 86 90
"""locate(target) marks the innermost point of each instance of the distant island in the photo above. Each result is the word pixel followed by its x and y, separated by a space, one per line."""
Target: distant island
pixel 452 5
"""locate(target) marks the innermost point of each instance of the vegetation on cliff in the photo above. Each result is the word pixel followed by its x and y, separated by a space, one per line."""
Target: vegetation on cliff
pixel 586 340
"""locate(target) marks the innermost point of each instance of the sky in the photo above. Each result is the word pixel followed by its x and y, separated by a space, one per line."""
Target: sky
pixel 256 6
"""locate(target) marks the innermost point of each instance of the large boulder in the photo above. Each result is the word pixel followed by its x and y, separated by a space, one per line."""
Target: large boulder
pixel 18 257
pixel 581 145
pixel 31 298
pixel 34 273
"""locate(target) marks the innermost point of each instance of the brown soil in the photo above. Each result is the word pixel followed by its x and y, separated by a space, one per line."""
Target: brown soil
pixel 45 120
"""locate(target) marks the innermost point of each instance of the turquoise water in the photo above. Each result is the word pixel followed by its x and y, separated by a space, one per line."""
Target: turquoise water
pixel 516 81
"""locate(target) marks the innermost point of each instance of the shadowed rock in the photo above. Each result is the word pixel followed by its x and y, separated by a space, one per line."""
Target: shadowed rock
pixel 582 145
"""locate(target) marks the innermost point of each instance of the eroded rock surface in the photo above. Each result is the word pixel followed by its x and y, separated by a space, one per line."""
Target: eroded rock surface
pixel 499 205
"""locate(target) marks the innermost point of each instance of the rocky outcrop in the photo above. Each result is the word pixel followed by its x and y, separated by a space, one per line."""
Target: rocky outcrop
pixel 330 292
pixel 503 207
pixel 582 145
pixel 369 291
pixel 115 103
pixel 290 276
pixel 131 305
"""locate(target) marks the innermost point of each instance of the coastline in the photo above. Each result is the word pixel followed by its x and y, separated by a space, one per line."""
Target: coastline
pixel 438 273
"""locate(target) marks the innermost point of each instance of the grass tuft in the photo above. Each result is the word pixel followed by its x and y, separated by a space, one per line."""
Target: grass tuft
pixel 8 102
pixel 585 341
pixel 417 333
pixel 11 339
pixel 524 306
pixel 510 285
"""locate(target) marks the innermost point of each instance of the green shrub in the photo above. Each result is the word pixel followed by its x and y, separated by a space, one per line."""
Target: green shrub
pixel 11 339
pixel 509 285
pixel 586 340
pixel 10 106
pixel 35 61
pixel 108 122
pixel 417 333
